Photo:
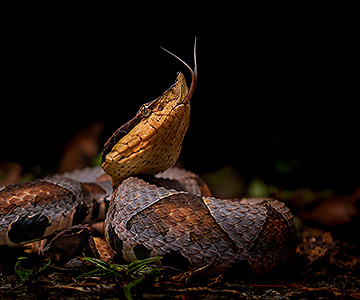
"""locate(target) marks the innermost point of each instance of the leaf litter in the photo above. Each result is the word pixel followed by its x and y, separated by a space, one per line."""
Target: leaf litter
pixel 326 264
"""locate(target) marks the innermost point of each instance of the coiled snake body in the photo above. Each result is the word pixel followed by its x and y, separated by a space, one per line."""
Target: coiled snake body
pixel 171 214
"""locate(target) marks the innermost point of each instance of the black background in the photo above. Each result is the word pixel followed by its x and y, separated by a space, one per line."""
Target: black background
pixel 269 93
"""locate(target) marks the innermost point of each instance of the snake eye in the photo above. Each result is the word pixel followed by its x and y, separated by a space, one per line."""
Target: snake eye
pixel 160 107
pixel 145 111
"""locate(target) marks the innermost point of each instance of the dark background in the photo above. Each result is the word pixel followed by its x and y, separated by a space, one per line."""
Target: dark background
pixel 277 100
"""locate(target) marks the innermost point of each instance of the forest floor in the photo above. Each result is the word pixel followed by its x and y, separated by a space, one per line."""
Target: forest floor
pixel 326 264
pixel 322 268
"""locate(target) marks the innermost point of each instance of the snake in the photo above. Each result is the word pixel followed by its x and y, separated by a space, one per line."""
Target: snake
pixel 151 208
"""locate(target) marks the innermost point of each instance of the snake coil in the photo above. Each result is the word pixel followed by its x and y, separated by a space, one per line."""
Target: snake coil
pixel 171 215
pixel 196 231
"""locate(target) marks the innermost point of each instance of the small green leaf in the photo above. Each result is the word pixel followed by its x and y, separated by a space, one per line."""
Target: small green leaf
pixel 134 269
pixel 24 272
pixel 103 268
pixel 151 275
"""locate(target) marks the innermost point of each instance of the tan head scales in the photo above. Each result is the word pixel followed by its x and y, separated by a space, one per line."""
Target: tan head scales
pixel 151 142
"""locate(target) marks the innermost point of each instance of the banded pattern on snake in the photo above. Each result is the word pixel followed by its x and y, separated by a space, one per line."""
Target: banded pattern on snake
pixel 171 214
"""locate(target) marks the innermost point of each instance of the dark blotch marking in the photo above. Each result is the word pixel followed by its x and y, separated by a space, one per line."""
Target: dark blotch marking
pixel 81 211
pixel 96 209
pixel 107 204
pixel 241 268
pixel 115 243
pixel 176 260
pixel 28 229
pixel 141 252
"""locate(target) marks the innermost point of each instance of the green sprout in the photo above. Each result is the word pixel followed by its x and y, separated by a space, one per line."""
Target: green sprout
pixel 24 271
pixel 137 272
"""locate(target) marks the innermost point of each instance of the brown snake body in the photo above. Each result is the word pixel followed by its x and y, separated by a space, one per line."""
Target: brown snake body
pixel 171 215
pixel 194 231
pixel 35 210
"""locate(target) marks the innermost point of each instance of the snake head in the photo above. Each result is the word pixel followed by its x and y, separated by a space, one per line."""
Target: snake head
pixel 168 101
pixel 151 141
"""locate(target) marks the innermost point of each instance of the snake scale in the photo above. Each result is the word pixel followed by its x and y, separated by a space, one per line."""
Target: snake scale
pixel 154 210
